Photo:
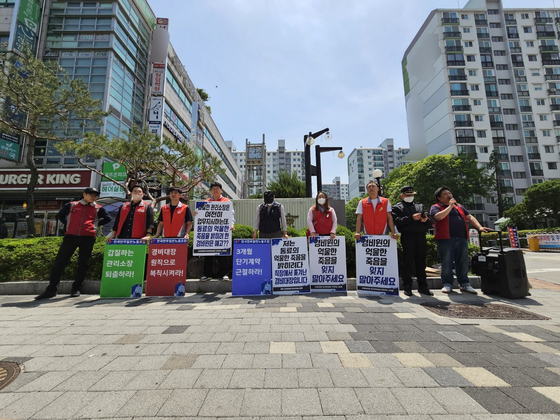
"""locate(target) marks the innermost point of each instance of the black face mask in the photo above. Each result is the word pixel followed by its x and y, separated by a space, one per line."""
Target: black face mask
pixel 268 198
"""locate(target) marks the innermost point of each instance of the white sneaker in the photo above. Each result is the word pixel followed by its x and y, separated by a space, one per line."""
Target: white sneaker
pixel 469 289
pixel 225 278
pixel 446 289
pixel 204 278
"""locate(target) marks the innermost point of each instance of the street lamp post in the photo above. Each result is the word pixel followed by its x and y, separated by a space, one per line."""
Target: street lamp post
pixel 308 140
pixel 377 174
pixel 318 151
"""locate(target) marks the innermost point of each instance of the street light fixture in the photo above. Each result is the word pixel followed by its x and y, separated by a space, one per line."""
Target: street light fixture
pixel 318 151
pixel 377 174
pixel 308 140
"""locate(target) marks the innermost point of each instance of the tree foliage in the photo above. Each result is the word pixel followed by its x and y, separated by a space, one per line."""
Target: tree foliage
pixel 42 102
pixel 543 200
pixel 350 210
pixel 149 161
pixel 287 185
pixel 460 173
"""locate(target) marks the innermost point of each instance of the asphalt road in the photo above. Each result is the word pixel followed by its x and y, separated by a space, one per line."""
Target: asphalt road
pixel 543 265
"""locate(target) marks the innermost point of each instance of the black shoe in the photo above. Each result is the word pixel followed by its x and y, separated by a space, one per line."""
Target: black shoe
pixel 407 290
pixel 47 294
pixel 425 291
pixel 75 294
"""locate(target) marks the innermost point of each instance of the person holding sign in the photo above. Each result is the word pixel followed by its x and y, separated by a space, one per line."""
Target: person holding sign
pixel 135 219
pixel 175 218
pixel 375 212
pixel 451 233
pixel 413 223
pixel 321 219
pixel 81 219
pixel 268 217
pixel 223 265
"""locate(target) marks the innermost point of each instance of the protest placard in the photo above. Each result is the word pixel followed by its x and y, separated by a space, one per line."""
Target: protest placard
pixel 327 262
pixel 123 268
pixel 290 266
pixel 251 267
pixel 167 267
pixel 212 234
pixel 377 268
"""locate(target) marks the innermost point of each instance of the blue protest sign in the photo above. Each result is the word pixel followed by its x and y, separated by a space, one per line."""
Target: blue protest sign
pixel 251 267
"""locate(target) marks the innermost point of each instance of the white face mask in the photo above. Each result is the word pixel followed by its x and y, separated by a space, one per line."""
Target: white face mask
pixel 321 201
pixel 409 199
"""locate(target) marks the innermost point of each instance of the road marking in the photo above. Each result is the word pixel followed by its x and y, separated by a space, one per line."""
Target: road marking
pixel 543 270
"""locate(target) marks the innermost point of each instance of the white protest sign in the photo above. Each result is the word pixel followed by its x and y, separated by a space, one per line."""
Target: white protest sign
pixel 327 262
pixel 290 266
pixel 377 268
pixel 212 234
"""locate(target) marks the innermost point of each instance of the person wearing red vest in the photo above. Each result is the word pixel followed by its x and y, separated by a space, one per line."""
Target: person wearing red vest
pixel 321 218
pixel 135 219
pixel 375 212
pixel 175 218
pixel 451 232
pixel 81 219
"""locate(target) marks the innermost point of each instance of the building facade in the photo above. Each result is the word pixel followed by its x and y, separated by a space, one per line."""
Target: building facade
pixel 336 190
pixel 483 79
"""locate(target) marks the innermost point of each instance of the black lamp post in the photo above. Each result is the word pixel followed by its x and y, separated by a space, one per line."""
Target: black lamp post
pixel 318 151
pixel 377 174
pixel 308 140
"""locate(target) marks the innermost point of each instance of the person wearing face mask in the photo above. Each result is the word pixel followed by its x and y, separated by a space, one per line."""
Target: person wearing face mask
pixel 135 219
pixel 268 218
pixel 412 222
pixel 321 219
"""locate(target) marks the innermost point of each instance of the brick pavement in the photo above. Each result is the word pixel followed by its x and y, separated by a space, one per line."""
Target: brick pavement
pixel 293 357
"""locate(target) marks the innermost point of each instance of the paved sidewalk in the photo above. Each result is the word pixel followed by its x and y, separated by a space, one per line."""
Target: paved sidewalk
pixel 296 357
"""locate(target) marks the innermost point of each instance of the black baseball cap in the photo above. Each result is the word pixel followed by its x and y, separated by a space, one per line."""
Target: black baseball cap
pixel 408 190
pixel 91 190
pixel 173 188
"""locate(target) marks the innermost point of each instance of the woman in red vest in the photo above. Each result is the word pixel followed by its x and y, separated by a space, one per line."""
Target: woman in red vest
pixel 135 219
pixel 321 219
pixel 175 219
pixel 375 212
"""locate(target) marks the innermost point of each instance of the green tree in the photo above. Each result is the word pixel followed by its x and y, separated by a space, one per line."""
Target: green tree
pixel 519 217
pixel 287 185
pixel 460 173
pixel 543 200
pixel 498 185
pixel 41 102
pixel 205 98
pixel 149 161
pixel 350 210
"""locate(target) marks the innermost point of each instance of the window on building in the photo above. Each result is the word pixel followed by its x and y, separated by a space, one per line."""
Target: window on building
pixel 466 30
pixel 529 44
pixel 549 149
pixel 511 127
pixel 516 158
pixel 532 57
pixel 501 67
pixel 504 81
pixel 468 44
pixel 514 142
pixel 481 134
pixel 497 39
pixel 478 118
pixel 535 72
pixel 472 72
pixel 541 102
pixel 524 15
pixel 474 88
pixel 546 133
pixel 506 96
pixel 527 29
pixel 520 191
pixel 509 111
pixel 552 165
pixel 495 25
pixel 471 58
pixel 499 53
pixel 519 175
pixel 477 102
pixel 465 17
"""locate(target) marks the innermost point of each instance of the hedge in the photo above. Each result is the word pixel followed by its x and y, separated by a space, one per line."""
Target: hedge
pixel 31 259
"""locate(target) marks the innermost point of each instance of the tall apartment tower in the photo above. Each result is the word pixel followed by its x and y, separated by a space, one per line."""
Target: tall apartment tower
pixel 482 79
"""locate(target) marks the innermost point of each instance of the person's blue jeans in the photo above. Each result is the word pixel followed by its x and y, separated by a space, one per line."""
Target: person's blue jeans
pixel 454 250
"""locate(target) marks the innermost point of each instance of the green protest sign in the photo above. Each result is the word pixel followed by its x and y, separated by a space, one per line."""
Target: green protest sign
pixel 123 268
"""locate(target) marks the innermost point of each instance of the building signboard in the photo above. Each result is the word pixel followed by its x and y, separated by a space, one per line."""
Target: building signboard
pixel 9 146
pixel 67 179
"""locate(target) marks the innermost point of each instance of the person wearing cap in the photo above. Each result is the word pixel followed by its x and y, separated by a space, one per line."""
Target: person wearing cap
pixel 413 223
pixel 81 219
pixel 175 218
pixel 375 212
pixel 135 219
pixel 451 232
pixel 268 218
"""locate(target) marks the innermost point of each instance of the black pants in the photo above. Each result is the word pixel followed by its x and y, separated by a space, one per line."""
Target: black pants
pixel 414 253
pixel 223 266
pixel 69 245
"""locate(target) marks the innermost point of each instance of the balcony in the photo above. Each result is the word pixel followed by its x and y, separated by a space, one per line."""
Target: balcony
pixel 461 107
pixel 526 108
pixel 534 155
pixel 453 49
pixel 463 123
pixel 548 48
pixel 554 91
pixel 463 140
pixel 506 189
pixel 556 123
pixel 483 35
pixel 503 172
pixel 485 49
pixel 481 22
pixel 494 110
pixel 492 94
pixel 530 139
pixel 517 63
pixel 546 34
pixel 462 92
pixel 457 77
pixel 528 124
pixel 514 50
pixel 501 156
pixel 450 34
pixel 450 20
pixel 511 21
pixel 537 172
pixel 489 79
pixel 552 77
pixel 540 19
pixel 522 93
pixel 558 20
pixel 557 139
pixel 454 63
pixel 475 206
pixel 521 79
pixel 555 107
pixel 497 124
pixel 551 62
pixel 488 64
pixel 513 35
pixel 498 140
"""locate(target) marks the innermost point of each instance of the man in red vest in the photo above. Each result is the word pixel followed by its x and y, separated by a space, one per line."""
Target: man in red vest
pixel 175 218
pixel 451 234
pixel 135 219
pixel 375 212
pixel 81 219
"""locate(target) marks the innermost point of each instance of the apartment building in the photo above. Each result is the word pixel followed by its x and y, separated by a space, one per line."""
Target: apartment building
pixel 336 190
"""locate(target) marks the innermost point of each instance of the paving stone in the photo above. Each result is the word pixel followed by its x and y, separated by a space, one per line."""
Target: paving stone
pixel 264 361
pixel 28 404
pixel 339 401
pixel 456 401
pixel 147 380
pixel 481 377
pixel 65 406
pixel 334 347
pixel 326 361
pixel 414 377
pixel 532 400
pixel 46 382
pixel 447 377
pixel 359 347
pixel 256 348
pixel 299 402
pixel 355 360
pixel 294 361
pixel 413 360
pixel 182 403
pixel 113 381
pixel 247 378
pixel 385 346
pixel 23 379
pixel 209 361
pixel 214 378
pixel 514 376
pixel 495 401
pixel 309 348
pixel 180 362
pixel 442 360
pixel 230 348
pixel 544 376
pixel 417 401
pixel 261 402
pixel 381 378
pixel 144 403
pixel 282 347
pixel 550 359
pixel 348 378
pixel 238 361
pixel 184 378
pixel 280 378
pixel 222 403
pixel 105 404
pixel 314 378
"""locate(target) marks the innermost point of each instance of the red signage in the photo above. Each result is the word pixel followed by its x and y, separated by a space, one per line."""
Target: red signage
pixel 67 179
pixel 47 205
pixel 167 267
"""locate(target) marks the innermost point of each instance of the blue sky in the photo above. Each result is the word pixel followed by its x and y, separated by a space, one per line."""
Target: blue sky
pixel 284 68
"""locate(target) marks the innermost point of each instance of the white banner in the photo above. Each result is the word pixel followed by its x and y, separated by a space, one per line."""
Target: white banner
pixel 212 234
pixel 377 268
pixel 327 261
pixel 158 81
pixel 290 266
pixel 156 110
pixel 110 189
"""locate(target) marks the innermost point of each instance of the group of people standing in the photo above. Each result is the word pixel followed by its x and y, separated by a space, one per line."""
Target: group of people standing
pixel 135 220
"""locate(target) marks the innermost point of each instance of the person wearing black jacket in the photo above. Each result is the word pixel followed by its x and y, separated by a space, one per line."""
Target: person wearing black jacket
pixel 412 222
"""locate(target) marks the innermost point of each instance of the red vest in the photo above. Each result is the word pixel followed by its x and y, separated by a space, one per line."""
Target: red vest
pixel 139 221
pixel 82 219
pixel 222 198
pixel 172 228
pixel 375 220
pixel 441 227
pixel 322 221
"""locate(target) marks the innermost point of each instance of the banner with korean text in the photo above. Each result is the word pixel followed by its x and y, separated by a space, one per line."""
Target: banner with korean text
pixel 167 267
pixel 327 262
pixel 251 267
pixel 123 268
pixel 377 268
pixel 513 237
pixel 212 234
pixel 290 266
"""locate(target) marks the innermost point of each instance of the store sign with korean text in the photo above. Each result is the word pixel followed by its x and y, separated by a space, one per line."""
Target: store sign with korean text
pixel 122 274
pixel 167 267
pixel 158 81
pixel 68 179
pixel 377 268
pixel 9 146
pixel 117 172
